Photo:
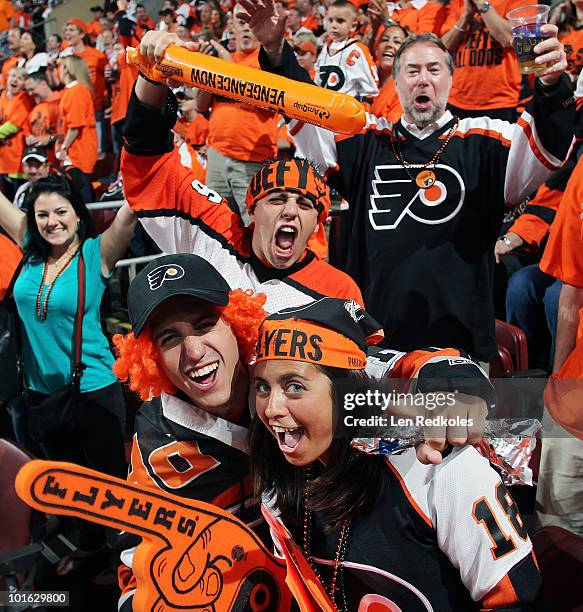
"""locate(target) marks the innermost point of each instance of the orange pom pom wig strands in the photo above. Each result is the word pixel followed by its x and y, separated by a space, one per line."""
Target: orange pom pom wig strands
pixel 137 358
pixel 182 276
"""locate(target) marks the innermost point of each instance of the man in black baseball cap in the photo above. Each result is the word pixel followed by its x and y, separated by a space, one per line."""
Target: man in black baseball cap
pixel 171 276
pixel 192 338
pixel 35 164
pixel 35 152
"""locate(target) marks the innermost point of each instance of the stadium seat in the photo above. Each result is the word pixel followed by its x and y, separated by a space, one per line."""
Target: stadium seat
pixel 513 339
pixel 560 557
pixel 502 364
pixel 17 554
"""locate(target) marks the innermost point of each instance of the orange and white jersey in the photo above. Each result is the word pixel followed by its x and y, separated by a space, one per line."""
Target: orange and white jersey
pixel 441 538
pixel 347 67
pixel 184 216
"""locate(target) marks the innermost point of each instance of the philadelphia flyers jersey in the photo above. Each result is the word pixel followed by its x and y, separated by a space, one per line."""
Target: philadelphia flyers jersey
pixel 184 216
pixel 447 538
pixel 347 67
pixel 423 254
pixel 186 451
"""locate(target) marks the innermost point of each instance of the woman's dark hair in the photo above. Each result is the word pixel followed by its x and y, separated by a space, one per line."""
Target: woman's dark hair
pixel 38 40
pixel 349 484
pixel 37 248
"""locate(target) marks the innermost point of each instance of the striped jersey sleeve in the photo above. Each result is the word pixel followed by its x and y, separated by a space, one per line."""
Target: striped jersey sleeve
pixel 477 524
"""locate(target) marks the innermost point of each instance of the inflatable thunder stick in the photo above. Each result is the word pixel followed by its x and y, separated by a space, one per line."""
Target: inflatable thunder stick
pixel 193 555
pixel 332 110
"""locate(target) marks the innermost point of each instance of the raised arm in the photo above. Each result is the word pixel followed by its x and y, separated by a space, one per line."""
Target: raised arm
pixel 542 139
pixel 116 238
pixel 13 220
pixel 177 211
pixel 497 24
pixel 276 56
pixel 454 37
pixel 152 46
pixel 268 25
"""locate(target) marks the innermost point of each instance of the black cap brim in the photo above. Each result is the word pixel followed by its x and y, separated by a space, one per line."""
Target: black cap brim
pixel 215 298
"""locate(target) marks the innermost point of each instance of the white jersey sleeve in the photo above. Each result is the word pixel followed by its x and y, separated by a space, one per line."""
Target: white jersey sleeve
pixel 477 523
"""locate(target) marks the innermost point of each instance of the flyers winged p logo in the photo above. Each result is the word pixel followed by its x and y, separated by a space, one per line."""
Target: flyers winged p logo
pixel 168 272
pixel 395 196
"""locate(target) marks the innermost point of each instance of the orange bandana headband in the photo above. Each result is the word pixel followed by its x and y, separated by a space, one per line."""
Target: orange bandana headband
pixel 297 175
pixel 300 340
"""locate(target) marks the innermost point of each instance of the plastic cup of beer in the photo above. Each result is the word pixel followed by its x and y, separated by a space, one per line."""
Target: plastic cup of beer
pixel 526 23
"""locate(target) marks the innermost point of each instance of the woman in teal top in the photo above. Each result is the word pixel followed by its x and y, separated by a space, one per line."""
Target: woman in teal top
pixel 51 232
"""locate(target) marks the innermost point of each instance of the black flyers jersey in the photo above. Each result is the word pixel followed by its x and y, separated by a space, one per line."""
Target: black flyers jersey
pixel 190 453
pixel 423 258
pixel 186 451
pixel 444 538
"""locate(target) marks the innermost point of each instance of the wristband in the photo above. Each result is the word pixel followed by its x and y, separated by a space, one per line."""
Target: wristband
pixel 150 80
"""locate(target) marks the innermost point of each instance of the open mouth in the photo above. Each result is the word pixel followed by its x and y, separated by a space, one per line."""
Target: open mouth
pixel 205 375
pixel 285 238
pixel 288 438
pixel 422 100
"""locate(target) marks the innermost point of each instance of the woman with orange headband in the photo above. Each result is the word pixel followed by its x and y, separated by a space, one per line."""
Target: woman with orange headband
pixel 186 357
pixel 388 531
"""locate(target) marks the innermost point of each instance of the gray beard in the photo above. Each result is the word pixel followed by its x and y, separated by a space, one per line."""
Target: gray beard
pixel 423 119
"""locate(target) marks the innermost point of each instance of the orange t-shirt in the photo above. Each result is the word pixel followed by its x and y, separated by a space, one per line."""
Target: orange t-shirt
pixel 563 256
pixel 15 110
pixel 486 74
pixel 311 23
pixel 93 29
pixel 387 104
pixel 6 14
pixel 96 62
pixel 10 256
pixel 429 18
pixel 43 120
pixel 573 41
pixel 195 132
pixel 563 259
pixel 23 19
pixel 76 111
pixel 122 89
pixel 242 131
pixel 145 25
pixel 532 228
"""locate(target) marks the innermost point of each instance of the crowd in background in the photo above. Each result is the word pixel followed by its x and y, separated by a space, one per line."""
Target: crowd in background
pixel 64 98
pixel 48 82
